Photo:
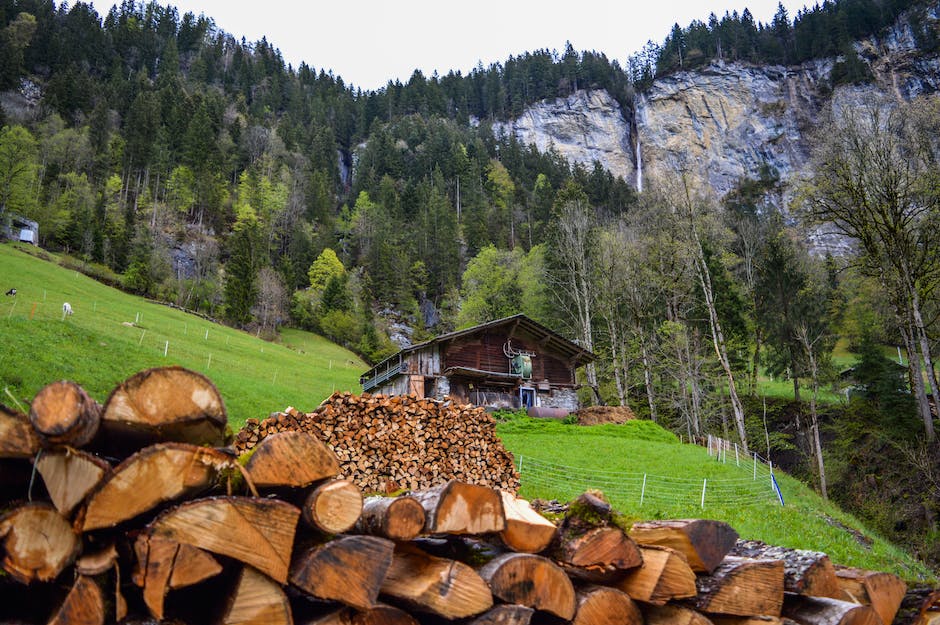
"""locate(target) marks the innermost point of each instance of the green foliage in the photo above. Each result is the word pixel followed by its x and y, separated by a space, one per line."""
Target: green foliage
pixel 246 257
pixel 17 169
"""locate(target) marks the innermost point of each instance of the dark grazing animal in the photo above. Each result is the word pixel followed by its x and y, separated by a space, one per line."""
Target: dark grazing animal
pixel 12 292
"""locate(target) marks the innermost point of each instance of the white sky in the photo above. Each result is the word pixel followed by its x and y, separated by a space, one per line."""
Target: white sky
pixel 369 42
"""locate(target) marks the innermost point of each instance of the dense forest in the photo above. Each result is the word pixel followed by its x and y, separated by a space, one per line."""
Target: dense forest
pixel 171 159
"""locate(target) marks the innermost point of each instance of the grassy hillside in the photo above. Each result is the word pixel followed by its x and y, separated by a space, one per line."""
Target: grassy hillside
pixel 112 335
pixel 571 458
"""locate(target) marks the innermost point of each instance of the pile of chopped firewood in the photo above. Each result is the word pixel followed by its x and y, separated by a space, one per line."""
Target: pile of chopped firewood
pixel 385 444
pixel 134 512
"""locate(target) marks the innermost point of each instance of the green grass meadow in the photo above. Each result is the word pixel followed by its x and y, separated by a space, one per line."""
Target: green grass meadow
pixel 639 447
pixel 112 335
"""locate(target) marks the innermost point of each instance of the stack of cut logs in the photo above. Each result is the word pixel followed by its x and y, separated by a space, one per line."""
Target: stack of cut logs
pixel 133 512
pixel 385 444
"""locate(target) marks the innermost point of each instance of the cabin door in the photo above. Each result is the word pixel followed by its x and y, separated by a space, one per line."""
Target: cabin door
pixel 526 397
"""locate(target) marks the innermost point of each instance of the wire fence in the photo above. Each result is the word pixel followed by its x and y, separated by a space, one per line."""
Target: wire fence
pixel 755 486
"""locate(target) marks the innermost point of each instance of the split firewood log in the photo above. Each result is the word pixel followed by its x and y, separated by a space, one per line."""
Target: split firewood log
pixel 461 508
pixel 704 542
pixel 98 563
pixel 36 543
pixel 381 614
pixel 526 531
pixel 505 614
pixel 259 532
pixel 292 458
pixel 882 591
pixel 673 614
pixel 69 475
pixel 742 587
pixel 84 605
pixel 62 413
pixel 921 606
pixel 257 600
pixel 531 581
pixel 348 569
pixel 398 518
pixel 664 575
pixel 440 586
pixel 601 605
pixel 333 507
pixel 152 476
pixel 589 545
pixel 164 565
pixel 598 555
pixel 17 437
pixel 165 404
pixel 809 573
pixel 807 610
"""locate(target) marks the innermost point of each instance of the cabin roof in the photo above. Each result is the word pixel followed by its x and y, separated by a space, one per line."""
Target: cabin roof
pixel 549 338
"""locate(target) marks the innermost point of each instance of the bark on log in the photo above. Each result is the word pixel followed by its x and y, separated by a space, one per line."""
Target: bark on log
pixel 152 476
pixel 704 542
pixel 506 614
pixel 69 475
pixel 809 573
pixel 333 507
pixel 259 532
pixel 461 508
pixel 349 569
pixel 920 606
pixel 742 587
pixel 664 575
pixel 84 605
pixel 17 438
pixel 882 591
pixel 398 518
pixel 723 619
pixel 444 587
pixel 672 614
pixel 97 562
pixel 36 543
pixel 532 581
pixel 62 413
pixel 295 459
pixel 825 611
pixel 601 605
pixel 257 600
pixel 526 531
pixel 165 404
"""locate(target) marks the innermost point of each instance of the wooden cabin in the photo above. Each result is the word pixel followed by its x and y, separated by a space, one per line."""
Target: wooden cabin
pixel 508 363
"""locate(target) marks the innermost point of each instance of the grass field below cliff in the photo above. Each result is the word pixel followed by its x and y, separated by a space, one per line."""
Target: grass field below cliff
pixel 613 458
pixel 112 335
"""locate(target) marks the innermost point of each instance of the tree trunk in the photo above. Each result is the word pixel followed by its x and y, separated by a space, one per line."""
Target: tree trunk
pixel 807 573
pixel 648 379
pixel 921 335
pixel 917 380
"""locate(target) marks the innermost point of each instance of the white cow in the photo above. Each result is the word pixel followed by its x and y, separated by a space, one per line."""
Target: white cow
pixel 66 309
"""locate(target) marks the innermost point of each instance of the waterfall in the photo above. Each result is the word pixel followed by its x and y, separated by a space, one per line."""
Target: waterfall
pixel 639 167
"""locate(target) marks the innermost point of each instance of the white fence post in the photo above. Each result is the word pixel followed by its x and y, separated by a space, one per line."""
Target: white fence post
pixel 736 461
pixel 643 490
pixel 704 484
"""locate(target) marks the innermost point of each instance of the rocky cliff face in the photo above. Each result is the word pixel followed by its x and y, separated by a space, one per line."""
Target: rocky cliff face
pixel 724 121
